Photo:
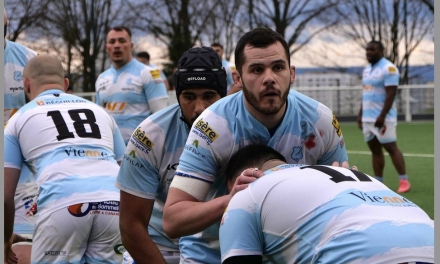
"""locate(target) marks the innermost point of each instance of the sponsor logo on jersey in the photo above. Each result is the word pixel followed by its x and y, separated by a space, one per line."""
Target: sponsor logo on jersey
pixel 172 167
pixel 297 154
pixel 368 87
pixel 85 153
pixel 115 106
pixel 383 199
pixel 133 154
pixel 206 132
pixel 13 89
pixel 196 143
pixel 133 162
pixel 40 102
pixel 341 143
pixel 18 76
pixel 196 79
pixel 142 139
pixel 335 123
pixel 8 113
pixel 119 249
pixel 233 68
pixel 392 70
pixel 79 210
pixel 55 253
pixel 155 74
pixel 194 150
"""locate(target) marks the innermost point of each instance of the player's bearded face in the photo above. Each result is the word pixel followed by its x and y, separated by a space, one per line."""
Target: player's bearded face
pixel 268 101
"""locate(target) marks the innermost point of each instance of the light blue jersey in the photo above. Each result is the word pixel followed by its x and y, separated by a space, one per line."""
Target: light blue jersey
pixel 127 94
pixel 229 67
pixel 374 80
pixel 324 214
pixel 308 134
pixel 149 163
pixel 71 146
pixel 16 57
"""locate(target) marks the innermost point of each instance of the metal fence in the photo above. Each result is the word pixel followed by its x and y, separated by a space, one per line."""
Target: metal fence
pixel 345 101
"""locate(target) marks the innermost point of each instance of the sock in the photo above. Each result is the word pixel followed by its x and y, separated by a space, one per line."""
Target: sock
pixel 379 178
pixel 403 177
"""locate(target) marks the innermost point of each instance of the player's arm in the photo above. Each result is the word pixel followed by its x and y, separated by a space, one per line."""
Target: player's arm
pixel 333 140
pixel 11 177
pixel 155 91
pixel 185 215
pixel 359 119
pixel 391 92
pixel 134 216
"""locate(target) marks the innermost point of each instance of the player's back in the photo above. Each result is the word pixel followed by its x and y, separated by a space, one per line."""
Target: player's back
pixel 320 214
pixel 69 143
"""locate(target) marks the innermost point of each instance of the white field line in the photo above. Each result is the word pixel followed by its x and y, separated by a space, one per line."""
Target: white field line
pixel 385 153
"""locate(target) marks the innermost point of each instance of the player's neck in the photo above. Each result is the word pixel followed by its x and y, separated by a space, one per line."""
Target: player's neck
pixel 269 121
pixel 117 66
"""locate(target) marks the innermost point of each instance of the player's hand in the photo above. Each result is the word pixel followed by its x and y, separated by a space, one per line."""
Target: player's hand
pixel 344 165
pixel 246 177
pixel 380 121
pixel 10 257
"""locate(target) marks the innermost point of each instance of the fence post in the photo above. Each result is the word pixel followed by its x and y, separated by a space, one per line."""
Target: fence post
pixel 408 117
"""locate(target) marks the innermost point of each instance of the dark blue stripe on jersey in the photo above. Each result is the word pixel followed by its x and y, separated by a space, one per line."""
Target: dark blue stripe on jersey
pixel 190 176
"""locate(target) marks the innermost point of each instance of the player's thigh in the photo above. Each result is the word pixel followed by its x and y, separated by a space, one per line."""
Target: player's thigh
pixel 105 245
pixel 368 130
pixel 62 236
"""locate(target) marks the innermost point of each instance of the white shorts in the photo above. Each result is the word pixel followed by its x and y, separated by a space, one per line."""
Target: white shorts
pixel 25 200
pixel 171 255
pixel 87 232
pixel 385 134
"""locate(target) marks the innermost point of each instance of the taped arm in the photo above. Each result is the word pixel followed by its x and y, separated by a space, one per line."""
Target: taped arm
pixel 135 214
pixel 185 215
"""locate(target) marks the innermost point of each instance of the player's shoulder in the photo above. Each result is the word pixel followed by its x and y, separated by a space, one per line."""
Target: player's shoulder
pixel 166 118
pixel 388 67
pixel 227 107
pixel 18 54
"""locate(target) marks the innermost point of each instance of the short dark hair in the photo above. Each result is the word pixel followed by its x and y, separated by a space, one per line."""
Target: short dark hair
pixel 259 38
pixel 143 54
pixel 216 44
pixel 248 157
pixel 120 28
pixel 378 43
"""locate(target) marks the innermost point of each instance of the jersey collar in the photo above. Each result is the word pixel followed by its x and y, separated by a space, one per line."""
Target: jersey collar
pixel 50 91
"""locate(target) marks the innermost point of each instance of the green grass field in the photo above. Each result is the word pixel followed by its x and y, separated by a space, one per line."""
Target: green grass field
pixel 416 141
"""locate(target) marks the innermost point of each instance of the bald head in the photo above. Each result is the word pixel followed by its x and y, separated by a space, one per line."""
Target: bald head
pixel 43 72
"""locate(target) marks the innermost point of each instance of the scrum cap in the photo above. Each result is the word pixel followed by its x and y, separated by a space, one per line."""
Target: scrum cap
pixel 200 68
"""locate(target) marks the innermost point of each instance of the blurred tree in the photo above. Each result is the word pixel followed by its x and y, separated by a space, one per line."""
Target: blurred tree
pixel 24 15
pixel 299 21
pixel 178 24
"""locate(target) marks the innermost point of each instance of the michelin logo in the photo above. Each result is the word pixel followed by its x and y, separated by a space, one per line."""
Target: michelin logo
pixel 196 79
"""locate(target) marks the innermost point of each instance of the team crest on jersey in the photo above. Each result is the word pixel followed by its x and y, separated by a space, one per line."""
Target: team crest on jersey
pixel 18 76
pixel 297 154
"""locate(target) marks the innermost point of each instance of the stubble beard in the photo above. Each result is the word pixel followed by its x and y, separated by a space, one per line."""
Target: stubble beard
pixel 254 102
